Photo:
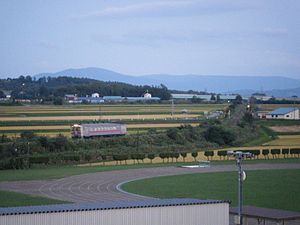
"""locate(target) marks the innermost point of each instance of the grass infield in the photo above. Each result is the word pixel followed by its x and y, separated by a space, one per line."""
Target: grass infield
pixel 12 199
pixel 277 189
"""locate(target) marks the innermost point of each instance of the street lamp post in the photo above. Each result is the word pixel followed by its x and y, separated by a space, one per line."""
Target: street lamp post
pixel 238 155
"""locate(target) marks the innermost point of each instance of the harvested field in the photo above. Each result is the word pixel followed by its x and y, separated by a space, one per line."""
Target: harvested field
pixel 287 140
pixel 64 127
pixel 285 129
pixel 116 117
pixel 110 108
pixel 270 107
pixel 50 120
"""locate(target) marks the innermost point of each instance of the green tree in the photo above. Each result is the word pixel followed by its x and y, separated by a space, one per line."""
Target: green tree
pixel 285 152
pixel 265 153
pixel 238 100
pixel 184 155
pixel 151 156
pixel 275 153
pixel 219 135
pixel 2 95
pixel 28 134
pixel 209 154
pixel 176 156
pixel 163 155
pixel 195 154
pixel 58 101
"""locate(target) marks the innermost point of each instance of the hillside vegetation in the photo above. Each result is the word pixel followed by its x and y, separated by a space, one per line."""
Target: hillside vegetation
pixel 49 89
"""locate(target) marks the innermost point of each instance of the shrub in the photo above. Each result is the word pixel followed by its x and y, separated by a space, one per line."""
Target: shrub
pixel 275 152
pixel 163 155
pixel 256 153
pixel 209 154
pixel 119 158
pixel 266 152
pixel 184 155
pixel 42 159
pixel 195 154
pixel 219 135
pixel 87 157
pixel 295 151
pixel 285 152
pixel 176 155
pixel 28 134
pixel 151 156
pixel 222 153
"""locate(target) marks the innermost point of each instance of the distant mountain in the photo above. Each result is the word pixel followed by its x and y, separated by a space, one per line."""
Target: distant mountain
pixel 284 93
pixel 218 84
pixel 98 74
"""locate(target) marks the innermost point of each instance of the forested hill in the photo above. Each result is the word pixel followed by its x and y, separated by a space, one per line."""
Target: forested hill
pixel 44 88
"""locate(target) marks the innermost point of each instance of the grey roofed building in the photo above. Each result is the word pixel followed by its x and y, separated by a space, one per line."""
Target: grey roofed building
pixel 288 113
pixel 282 111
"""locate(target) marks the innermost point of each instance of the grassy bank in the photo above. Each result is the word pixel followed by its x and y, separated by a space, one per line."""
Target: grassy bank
pixel 54 172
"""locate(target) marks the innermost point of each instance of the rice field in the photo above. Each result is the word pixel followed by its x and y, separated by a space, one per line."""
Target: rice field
pixel 286 129
pixel 51 120
pixel 286 140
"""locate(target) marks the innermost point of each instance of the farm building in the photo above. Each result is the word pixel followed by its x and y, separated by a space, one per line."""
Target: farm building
pixel 95 95
pixel 191 96
pixel 154 211
pixel 284 113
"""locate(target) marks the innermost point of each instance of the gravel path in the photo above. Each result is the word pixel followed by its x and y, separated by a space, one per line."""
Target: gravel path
pixel 102 186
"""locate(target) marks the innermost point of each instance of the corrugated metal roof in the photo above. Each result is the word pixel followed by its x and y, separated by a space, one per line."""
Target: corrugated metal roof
pixel 100 124
pixel 282 111
pixel 104 206
pixel 274 214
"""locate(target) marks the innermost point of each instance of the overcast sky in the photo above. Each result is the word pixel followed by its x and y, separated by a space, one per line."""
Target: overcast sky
pixel 205 37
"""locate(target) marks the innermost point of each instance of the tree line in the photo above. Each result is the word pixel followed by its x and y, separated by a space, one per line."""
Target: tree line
pixel 51 88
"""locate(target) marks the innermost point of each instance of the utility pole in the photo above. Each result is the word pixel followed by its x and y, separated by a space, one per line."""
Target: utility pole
pixel 238 155
pixel 172 107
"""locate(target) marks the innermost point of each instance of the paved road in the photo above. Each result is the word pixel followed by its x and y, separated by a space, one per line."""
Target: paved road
pixel 102 186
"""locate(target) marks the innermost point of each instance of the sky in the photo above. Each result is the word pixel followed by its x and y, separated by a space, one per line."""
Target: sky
pixel 138 37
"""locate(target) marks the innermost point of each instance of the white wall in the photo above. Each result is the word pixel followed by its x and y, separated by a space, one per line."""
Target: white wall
pixel 207 214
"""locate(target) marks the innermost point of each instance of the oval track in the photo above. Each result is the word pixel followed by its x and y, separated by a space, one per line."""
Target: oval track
pixel 102 186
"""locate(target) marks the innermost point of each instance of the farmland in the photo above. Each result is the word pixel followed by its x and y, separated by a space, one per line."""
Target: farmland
pixel 287 140
pixel 51 120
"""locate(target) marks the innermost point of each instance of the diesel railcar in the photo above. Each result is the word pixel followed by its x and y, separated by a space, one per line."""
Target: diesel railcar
pixel 97 130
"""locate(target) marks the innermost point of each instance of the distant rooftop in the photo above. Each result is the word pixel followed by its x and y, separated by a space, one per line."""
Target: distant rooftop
pixel 282 111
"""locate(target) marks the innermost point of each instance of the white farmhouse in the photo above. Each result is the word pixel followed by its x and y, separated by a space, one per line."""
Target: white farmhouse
pixel 95 95
pixel 147 95
pixel 284 113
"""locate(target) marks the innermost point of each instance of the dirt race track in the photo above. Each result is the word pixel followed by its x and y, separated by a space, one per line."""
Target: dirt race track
pixel 103 186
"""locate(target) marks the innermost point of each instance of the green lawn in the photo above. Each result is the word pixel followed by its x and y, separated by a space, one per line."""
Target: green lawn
pixel 54 172
pixel 12 199
pixel 270 188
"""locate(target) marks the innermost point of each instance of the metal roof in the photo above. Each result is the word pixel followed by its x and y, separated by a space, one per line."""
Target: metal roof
pixel 100 124
pixel 272 214
pixel 282 111
pixel 104 206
